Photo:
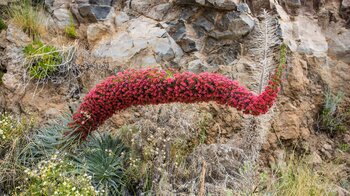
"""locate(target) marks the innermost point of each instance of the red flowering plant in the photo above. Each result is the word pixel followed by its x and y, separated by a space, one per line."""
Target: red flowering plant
pixel 154 86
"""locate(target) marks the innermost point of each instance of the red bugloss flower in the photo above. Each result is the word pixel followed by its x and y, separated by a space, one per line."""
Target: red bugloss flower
pixel 153 86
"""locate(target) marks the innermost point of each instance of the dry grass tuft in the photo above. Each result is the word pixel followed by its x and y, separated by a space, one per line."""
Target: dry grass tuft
pixel 296 178
pixel 32 20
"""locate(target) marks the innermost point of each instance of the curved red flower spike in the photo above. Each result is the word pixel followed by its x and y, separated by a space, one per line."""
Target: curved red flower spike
pixel 153 86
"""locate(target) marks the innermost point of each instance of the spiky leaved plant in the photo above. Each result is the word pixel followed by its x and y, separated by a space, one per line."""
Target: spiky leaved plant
pixel 103 157
pixel 47 141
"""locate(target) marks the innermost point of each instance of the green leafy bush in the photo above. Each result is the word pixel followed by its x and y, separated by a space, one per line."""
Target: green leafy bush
pixel 42 60
pixel 332 119
pixel 56 177
pixel 103 158
pixel 2 25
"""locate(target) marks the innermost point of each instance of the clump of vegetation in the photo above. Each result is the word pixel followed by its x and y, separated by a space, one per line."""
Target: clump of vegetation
pixel 56 177
pixel 160 141
pixel 139 176
pixel 7 128
pixel 179 150
pixel 332 120
pixel 30 19
pixel 103 157
pixel 43 144
pixel 70 29
pixel 344 147
pixel 297 177
pixel 13 132
pixel 204 125
pixel 2 24
pixel 1 75
pixel 42 60
pixel 11 128
pixel 138 173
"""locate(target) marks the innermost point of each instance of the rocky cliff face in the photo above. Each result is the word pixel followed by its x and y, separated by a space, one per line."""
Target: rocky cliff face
pixel 201 35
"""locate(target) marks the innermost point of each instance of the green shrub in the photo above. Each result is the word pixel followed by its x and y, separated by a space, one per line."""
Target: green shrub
pixel 70 30
pixel 103 158
pixel 42 60
pixel 30 19
pixel 2 25
pixel 331 119
pixel 56 177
